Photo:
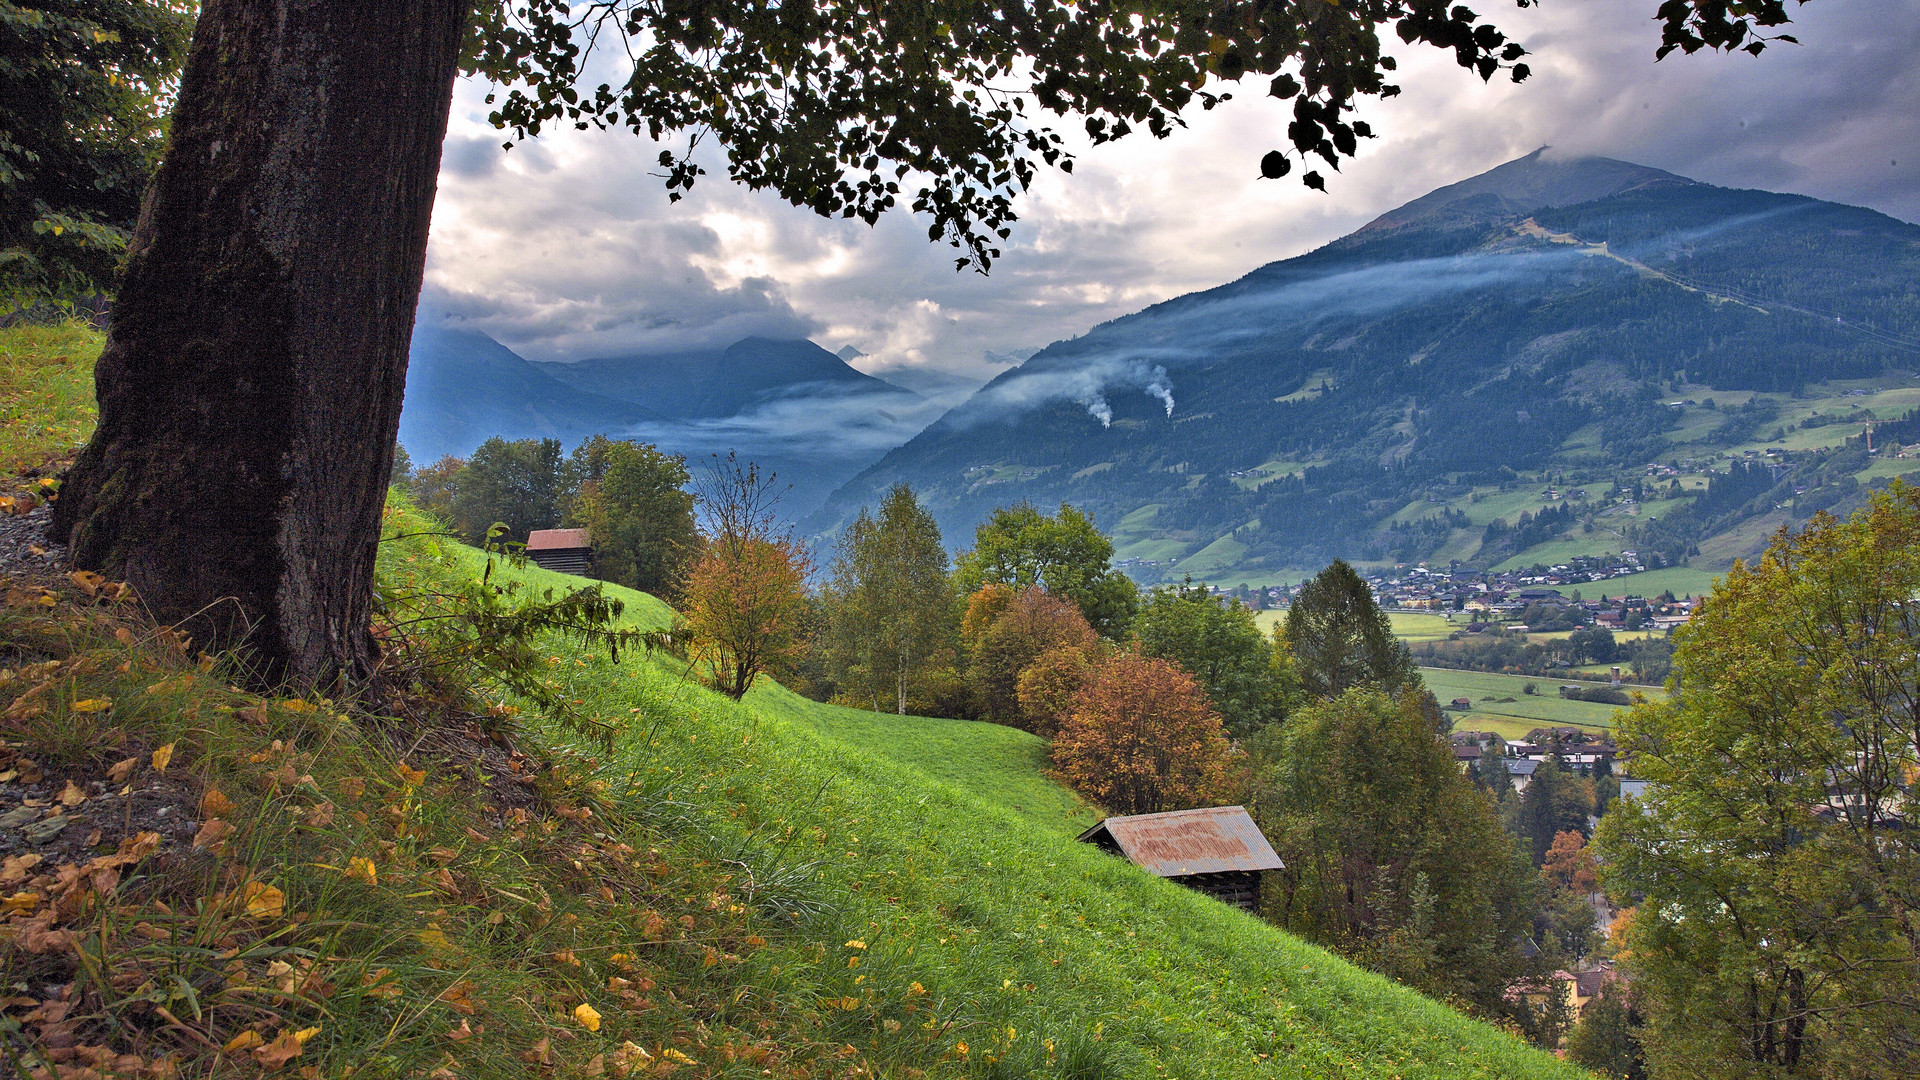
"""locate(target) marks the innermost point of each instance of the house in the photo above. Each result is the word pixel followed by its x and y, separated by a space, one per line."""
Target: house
pixel 1460 703
pixel 1217 850
pixel 1520 771
pixel 1467 755
pixel 1631 788
pixel 565 550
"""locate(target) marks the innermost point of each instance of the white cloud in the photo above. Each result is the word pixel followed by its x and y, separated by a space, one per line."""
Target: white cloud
pixel 567 246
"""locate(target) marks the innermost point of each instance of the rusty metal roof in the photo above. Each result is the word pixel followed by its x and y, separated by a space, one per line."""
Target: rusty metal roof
pixel 552 539
pixel 1211 840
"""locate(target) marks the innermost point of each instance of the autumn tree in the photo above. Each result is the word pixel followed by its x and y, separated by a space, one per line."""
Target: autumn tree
pixel 1341 639
pixel 1018 546
pixel 634 503
pixel 1393 858
pixel 1033 622
pixel 1773 844
pixel 84 89
pixel 1218 643
pixel 745 597
pixel 1140 739
pixel 890 603
pixel 434 487
pixel 251 384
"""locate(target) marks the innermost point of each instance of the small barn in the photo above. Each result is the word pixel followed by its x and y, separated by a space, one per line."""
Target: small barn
pixel 1217 850
pixel 565 550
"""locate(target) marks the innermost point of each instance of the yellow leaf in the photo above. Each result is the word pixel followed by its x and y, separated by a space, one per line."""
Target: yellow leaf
pixel 215 804
pixel 677 1057
pixel 306 1033
pixel 71 795
pixel 588 1017
pixel 264 901
pixel 161 757
pixel 20 901
pixel 246 1040
pixel 297 705
pixel 360 868
pixel 92 705
pixel 411 776
pixel 856 944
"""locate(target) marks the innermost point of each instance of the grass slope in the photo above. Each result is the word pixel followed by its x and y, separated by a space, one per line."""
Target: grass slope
pixel 724 889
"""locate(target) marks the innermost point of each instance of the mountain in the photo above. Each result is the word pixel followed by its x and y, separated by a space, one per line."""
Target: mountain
pixel 464 387
pixel 1409 391
pixel 790 407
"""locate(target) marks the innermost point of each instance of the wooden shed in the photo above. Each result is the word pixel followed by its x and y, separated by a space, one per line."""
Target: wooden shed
pixel 565 550
pixel 1216 849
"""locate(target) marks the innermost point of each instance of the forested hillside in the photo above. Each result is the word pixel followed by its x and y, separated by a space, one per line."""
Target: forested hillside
pixel 1392 395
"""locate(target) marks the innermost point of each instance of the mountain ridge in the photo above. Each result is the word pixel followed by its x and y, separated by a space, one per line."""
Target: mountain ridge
pixel 1488 331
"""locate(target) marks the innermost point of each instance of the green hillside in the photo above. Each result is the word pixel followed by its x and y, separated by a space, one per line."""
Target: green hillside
pixel 941 847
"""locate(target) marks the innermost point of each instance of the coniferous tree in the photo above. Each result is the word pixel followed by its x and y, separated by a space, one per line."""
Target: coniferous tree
pixel 1341 639
pixel 890 603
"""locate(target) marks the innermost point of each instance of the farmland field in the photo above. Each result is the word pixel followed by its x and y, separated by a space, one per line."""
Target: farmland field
pixel 1409 626
pixel 1515 718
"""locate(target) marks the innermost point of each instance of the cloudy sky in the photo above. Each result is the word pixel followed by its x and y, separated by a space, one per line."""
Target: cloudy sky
pixel 567 247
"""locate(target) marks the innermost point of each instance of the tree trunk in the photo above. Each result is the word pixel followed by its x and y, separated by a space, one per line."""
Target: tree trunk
pixel 251 384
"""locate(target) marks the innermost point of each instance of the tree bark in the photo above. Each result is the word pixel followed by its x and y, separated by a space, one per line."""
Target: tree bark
pixel 251 385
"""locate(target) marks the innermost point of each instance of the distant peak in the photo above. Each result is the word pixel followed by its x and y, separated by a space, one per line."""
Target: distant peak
pixel 849 354
pixel 1525 184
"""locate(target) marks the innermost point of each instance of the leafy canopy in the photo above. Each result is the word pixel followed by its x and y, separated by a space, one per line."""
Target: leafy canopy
pixel 1065 555
pixel 890 603
pixel 84 88
pixel 1341 639
pixel 848 107
pixel 1220 644
pixel 1773 846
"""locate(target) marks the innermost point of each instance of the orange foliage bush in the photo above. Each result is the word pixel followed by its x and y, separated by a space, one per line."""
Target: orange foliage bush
pixel 1048 685
pixel 746 607
pixel 1141 739
pixel 1032 622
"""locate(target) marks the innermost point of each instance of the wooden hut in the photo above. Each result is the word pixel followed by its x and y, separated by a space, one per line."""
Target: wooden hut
pixel 1217 850
pixel 565 550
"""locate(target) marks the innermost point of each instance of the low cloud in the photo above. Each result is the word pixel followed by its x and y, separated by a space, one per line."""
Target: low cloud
pixel 567 247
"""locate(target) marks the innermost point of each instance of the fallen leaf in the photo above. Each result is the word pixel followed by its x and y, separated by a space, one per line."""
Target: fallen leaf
pixel 587 1016
pixel 14 869
pixel 246 1040
pixel 120 769
pixel 20 901
pixel 71 795
pixel 212 834
pixel 377 986
pixel 410 776
pixel 161 758
pixel 540 1053
pixel 461 1033
pixel 264 901
pixel 459 997
pixel 360 868
pixel 353 786
pixel 278 1052
pixel 124 636
pixel 676 1056
pixel 321 816
pixel 91 705
pixel 215 804
pixel 299 706
pixel 595 1066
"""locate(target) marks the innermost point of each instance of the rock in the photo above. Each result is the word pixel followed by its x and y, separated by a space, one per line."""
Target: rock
pixel 17 817
pixel 41 832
